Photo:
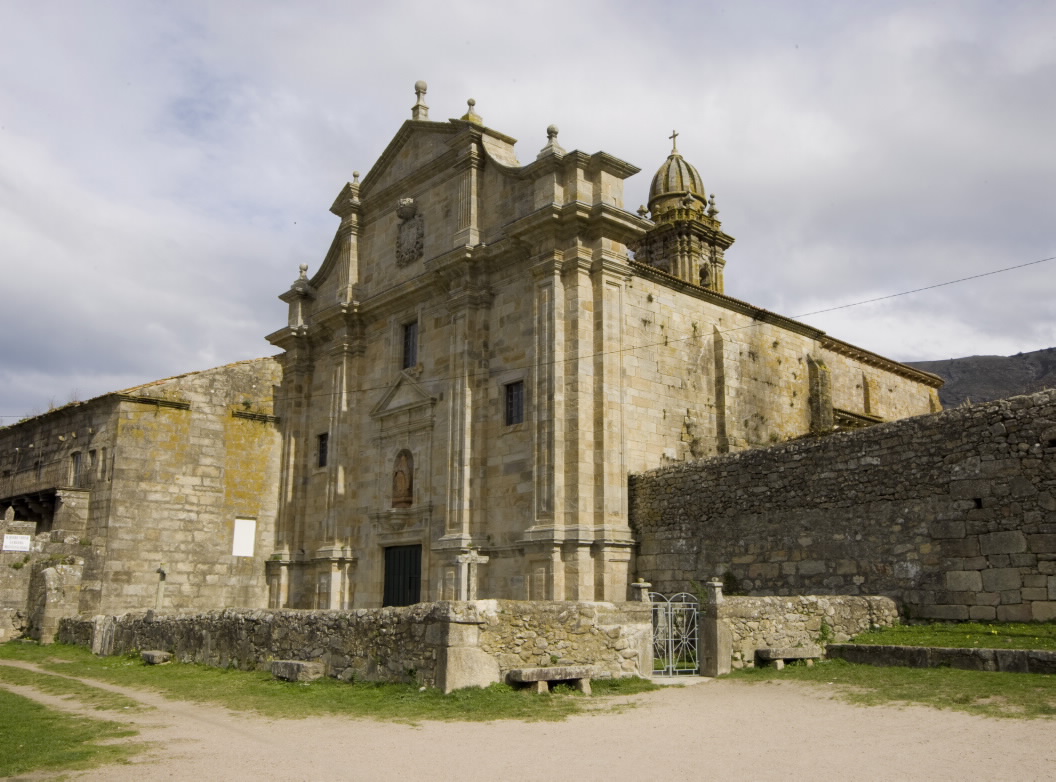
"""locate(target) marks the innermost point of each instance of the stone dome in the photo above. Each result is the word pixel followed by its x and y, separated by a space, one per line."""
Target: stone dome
pixel 676 178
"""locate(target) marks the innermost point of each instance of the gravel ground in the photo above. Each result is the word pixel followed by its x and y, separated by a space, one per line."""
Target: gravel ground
pixel 720 729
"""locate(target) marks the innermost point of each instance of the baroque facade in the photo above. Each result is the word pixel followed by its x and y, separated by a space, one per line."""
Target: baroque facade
pixel 488 349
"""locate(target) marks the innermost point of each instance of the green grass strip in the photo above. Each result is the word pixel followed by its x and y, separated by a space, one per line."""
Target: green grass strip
pixel 259 692
pixel 967 635
pixel 85 694
pixel 1022 695
pixel 37 738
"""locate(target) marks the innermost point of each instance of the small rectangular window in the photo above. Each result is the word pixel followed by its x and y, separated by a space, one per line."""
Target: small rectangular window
pixel 245 537
pixel 515 403
pixel 410 345
pixel 324 447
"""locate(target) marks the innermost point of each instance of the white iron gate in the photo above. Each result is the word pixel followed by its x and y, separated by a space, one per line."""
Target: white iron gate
pixel 675 634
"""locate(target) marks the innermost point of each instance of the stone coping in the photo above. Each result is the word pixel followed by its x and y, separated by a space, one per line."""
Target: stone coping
pixel 1006 660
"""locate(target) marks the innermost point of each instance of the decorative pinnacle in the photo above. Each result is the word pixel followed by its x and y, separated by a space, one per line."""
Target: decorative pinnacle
pixel 355 177
pixel 552 147
pixel 674 145
pixel 471 115
pixel 712 209
pixel 304 271
pixel 420 111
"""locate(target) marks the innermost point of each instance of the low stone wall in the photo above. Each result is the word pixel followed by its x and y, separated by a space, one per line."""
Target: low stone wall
pixel 733 629
pixel 953 514
pixel 447 644
pixel 615 638
pixel 1006 660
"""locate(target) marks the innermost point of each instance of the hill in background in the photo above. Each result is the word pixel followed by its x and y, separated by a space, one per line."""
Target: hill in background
pixel 983 378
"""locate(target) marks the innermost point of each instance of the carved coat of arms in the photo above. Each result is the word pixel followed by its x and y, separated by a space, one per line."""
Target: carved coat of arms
pixel 410 234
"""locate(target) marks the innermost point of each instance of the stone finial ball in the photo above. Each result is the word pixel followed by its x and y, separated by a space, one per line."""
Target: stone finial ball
pixel 420 86
pixel 551 131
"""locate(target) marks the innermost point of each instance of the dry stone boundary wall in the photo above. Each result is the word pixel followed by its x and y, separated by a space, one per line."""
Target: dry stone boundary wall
pixel 445 644
pixel 953 514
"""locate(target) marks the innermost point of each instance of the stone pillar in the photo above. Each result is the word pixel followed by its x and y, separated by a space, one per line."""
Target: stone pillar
pixel 714 642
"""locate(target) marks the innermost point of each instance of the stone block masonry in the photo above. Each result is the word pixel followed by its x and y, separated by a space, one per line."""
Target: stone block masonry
pixel 953 514
pixel 734 630
pixel 449 645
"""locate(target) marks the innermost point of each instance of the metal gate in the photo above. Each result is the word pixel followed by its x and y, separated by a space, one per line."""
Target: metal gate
pixel 675 634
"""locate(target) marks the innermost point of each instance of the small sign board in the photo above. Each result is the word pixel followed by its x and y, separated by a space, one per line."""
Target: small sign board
pixel 17 542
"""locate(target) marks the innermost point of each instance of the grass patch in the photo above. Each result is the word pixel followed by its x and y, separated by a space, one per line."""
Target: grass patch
pixel 967 635
pixel 259 692
pixel 37 738
pixel 1023 695
pixel 85 694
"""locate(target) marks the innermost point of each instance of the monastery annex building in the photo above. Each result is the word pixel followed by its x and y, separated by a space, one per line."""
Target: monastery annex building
pixel 486 353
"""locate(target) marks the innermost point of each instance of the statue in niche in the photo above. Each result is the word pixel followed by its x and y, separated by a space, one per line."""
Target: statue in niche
pixel 403 481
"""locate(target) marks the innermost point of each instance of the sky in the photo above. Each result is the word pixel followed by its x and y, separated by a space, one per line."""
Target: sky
pixel 165 167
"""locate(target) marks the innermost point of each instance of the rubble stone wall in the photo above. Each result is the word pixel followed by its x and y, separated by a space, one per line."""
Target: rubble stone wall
pixel 808 620
pixel 953 514
pixel 445 644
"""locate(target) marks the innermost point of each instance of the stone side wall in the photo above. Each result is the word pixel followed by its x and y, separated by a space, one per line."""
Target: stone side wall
pixel 788 622
pixel 953 514
pixel 446 644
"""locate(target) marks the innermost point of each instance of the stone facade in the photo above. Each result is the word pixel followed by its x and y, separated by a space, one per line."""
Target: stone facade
pixel 489 348
pixel 445 645
pixel 143 491
pixel 953 514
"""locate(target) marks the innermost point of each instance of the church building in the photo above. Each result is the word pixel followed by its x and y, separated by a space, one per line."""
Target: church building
pixel 489 348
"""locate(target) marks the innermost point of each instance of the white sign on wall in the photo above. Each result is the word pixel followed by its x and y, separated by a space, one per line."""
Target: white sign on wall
pixel 17 542
pixel 245 537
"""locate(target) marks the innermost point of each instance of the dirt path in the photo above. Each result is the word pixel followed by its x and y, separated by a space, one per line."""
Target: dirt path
pixel 725 730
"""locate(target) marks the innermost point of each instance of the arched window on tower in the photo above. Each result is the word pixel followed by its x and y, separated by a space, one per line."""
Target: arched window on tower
pixel 403 480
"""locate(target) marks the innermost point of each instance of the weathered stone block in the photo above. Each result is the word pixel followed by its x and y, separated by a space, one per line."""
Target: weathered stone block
pixel 1008 542
pixel 964 581
pixel 954 613
pixel 1043 611
pixel 1000 579
pixel 1042 544
pixel 297 670
pixel 156 657
pixel 1014 613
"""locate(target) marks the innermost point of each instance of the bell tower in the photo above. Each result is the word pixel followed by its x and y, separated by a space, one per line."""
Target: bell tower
pixel 687 241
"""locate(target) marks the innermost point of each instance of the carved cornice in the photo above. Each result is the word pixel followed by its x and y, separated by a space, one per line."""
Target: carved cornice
pixel 872 359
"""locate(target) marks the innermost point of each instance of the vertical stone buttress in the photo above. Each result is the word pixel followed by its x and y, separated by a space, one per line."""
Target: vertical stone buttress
pixel 578 515
pixel 820 380
pixel 611 547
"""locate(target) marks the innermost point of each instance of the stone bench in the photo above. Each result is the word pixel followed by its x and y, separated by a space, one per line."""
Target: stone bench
pixel 540 678
pixel 778 657
pixel 297 670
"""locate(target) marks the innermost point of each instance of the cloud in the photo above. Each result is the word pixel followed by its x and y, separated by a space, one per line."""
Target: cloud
pixel 164 168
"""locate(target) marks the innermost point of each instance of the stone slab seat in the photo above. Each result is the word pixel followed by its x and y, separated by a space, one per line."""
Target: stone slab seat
pixel 779 656
pixel 579 675
pixel 296 670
